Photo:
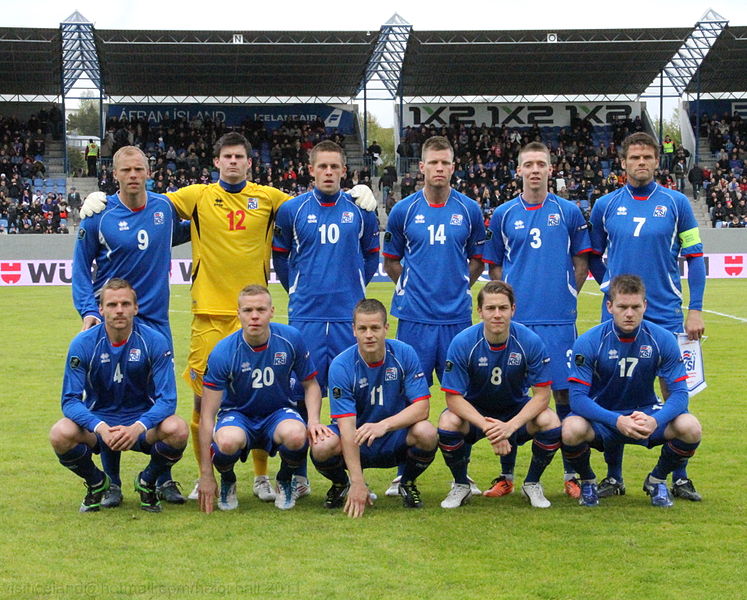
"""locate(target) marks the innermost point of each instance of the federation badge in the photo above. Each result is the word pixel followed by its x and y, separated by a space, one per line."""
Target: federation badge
pixel 553 219
pixel 390 374
pixel 280 358
pixel 514 358
pixel 347 217
pixel 158 218
pixel 646 351
pixel 134 355
pixel 660 211
pixel 252 204
pixel 456 219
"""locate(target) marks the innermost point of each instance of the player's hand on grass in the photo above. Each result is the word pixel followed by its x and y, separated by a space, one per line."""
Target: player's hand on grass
pixel 94 203
pixel 364 197
pixel 368 432
pixel 357 500
pixel 90 321
pixel 694 324
pixel 207 492
pixel 318 433
pixel 124 437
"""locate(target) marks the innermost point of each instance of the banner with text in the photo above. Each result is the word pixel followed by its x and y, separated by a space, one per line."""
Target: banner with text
pixel 548 114
pixel 60 272
pixel 273 115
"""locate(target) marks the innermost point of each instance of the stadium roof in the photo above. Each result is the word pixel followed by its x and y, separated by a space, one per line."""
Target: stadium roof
pixel 563 62
pixel 30 62
pixel 223 63
pixel 724 68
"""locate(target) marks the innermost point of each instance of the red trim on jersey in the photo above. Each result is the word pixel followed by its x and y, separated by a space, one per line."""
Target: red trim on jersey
pixel 476 256
pixel 683 378
pixel 328 204
pixel 641 197
pixel 139 208
pixel 372 250
pixel 584 251
pixel 122 343
pixel 448 391
pixel 626 340
pixel 421 398
pixel 532 206
pixel 261 348
pixel 596 252
pixel 378 363
pixel 436 205
pixel 342 416
pixel 497 348
pixel 579 381
pixel 314 374
pixel 277 249
pixel 490 262
pixel 212 385
pixel 394 256
pixel 543 384
pixel 696 254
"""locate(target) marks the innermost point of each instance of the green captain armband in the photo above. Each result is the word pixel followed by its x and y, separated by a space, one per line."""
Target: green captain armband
pixel 691 237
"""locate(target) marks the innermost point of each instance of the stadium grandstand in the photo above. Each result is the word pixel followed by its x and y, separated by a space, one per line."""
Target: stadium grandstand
pixel 174 93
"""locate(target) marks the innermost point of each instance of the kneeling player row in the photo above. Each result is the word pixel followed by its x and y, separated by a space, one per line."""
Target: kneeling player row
pixel 378 401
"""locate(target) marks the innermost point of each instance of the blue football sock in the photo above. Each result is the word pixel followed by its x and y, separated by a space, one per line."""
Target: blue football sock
pixel 508 462
pixel 579 457
pixel 224 463
pixel 417 461
pixel 454 451
pixel 80 461
pixel 162 457
pixel 110 460
pixel 332 468
pixel 613 456
pixel 544 447
pixel 290 460
pixel 680 472
pixel 673 454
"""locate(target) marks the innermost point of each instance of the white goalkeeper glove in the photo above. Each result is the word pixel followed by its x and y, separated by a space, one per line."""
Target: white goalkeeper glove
pixel 363 197
pixel 94 203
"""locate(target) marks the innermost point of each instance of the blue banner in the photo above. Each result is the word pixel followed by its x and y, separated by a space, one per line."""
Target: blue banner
pixel 274 115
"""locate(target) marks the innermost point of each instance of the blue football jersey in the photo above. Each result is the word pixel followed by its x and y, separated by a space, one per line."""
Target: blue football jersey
pixel 326 238
pixel 373 392
pixel 119 383
pixel 643 231
pixel 495 379
pixel 535 244
pixel 133 245
pixel 617 372
pixel 259 380
pixel 434 243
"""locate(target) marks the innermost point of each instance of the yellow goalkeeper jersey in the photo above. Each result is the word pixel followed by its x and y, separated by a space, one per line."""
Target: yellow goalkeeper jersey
pixel 231 240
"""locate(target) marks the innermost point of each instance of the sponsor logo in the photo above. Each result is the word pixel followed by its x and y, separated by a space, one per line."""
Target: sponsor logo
pixel 660 211
pixel 279 358
pixel 218 201
pixel 456 219
pixel 646 351
pixel 390 374
pixel 419 219
pixel 134 355
pixel 482 361
pixel 245 366
pixel 311 218
pixel 518 225
pixel 158 218
pixel 123 226
pixel 612 354
pixel 622 211
pixel 363 382
pixel 733 265
pixel 11 272
pixel 553 219
pixel 252 204
pixel 347 217
pixel 514 358
pixel 105 358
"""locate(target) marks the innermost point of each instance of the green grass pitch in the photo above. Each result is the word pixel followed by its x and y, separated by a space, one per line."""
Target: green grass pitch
pixel 492 548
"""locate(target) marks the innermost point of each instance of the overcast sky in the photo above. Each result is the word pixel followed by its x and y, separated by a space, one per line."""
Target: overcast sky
pixel 337 15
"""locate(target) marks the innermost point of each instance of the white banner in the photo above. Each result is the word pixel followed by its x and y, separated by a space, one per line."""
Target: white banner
pixel 542 114
pixel 692 356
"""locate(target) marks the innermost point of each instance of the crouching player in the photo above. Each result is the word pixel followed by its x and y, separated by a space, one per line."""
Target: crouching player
pixel 119 391
pixel 248 387
pixel 612 393
pixel 380 400
pixel 489 368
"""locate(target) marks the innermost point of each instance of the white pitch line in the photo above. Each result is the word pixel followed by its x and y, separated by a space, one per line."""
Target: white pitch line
pixel 713 312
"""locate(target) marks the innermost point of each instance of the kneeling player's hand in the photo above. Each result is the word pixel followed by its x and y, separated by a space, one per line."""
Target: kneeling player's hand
pixel 207 492
pixel 501 448
pixel 364 197
pixel 357 500
pixel 125 437
pixel 627 425
pixel 318 433
pixel 496 430
pixel 94 203
pixel 369 432
pixel 646 423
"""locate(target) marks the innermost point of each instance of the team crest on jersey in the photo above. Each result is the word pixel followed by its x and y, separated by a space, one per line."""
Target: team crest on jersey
pixel 158 218
pixel 419 219
pixel 456 219
pixel 134 355
pixel 347 217
pixel 105 358
pixel 553 219
pixel 252 204
pixel 74 362
pixel 336 393
pixel 448 366
pixel 646 352
pixel 519 224
pixel 245 366
pixel 660 211
pixel 514 359
pixel 311 218
pixel 482 361
pixel 123 226
pixel 612 354
pixel 390 374
pixel 280 358
pixel 622 211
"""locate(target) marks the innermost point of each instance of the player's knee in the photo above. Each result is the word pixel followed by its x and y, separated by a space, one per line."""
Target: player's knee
pixel 424 435
pixel 326 449
pixel 573 430
pixel 688 428
pixel 64 435
pixel 174 431
pixel 449 421
pixel 294 436
pixel 547 419
pixel 228 442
